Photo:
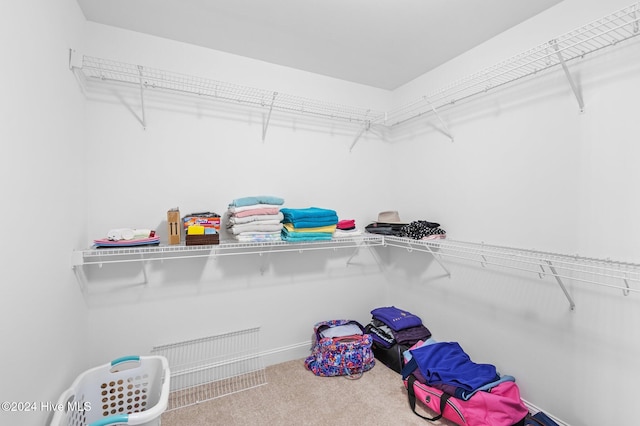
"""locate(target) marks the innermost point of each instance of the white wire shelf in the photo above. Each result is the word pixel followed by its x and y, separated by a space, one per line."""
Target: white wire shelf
pixel 601 272
pixel 106 70
pixel 106 255
pixel 605 32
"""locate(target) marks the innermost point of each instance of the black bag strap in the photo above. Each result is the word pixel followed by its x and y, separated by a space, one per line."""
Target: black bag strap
pixel 412 400
pixel 532 420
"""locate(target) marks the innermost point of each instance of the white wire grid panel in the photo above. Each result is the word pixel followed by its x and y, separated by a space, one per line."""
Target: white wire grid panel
pixel 99 256
pixel 212 367
pixel 608 31
pixel 151 78
pixel 601 272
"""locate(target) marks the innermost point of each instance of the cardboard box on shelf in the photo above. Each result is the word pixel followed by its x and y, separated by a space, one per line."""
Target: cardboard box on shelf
pixel 208 220
pixel 173 225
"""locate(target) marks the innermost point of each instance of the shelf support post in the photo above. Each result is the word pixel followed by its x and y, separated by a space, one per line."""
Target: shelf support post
pixel 80 276
pixel 356 250
pixel 143 121
pixel 376 256
pixel 263 261
pixel 144 273
pixel 365 127
pixel 439 261
pixel 625 291
pixel 266 123
pixel 75 59
pixel 572 305
pixel 445 128
pixel 574 87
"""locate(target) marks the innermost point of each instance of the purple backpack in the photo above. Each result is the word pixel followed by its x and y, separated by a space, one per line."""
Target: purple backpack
pixel 342 355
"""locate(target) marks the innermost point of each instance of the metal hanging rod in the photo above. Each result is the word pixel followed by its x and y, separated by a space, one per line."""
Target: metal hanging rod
pixel 608 31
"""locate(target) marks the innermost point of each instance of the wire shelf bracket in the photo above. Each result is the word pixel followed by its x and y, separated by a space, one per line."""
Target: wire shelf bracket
pixel 266 123
pixel 411 245
pixel 574 87
pixel 445 128
pixel 357 249
pixel 365 128
pixel 572 304
pixel 625 291
pixel 439 261
pixel 143 119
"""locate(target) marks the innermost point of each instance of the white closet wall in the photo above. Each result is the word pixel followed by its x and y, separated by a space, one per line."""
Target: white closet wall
pixel 526 169
pixel 42 314
pixel 199 155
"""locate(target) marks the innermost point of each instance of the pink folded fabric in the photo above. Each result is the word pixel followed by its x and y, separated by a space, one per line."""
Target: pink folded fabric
pixel 346 224
pixel 435 237
pixel 257 211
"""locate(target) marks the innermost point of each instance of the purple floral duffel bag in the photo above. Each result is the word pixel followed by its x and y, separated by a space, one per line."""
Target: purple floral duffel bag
pixel 340 348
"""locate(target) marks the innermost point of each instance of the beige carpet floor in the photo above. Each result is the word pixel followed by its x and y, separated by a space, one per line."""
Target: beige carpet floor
pixel 295 396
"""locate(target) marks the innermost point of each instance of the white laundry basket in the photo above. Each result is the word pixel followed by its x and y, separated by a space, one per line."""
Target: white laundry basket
pixel 132 390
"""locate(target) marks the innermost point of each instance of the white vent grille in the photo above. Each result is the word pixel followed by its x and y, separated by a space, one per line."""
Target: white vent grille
pixel 212 367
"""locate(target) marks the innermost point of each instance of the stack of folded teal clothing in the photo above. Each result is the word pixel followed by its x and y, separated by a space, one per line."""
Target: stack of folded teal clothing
pixel 309 224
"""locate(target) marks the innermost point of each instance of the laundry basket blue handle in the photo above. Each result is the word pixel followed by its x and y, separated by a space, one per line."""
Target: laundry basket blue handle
pixel 111 420
pixel 125 359
pixel 125 363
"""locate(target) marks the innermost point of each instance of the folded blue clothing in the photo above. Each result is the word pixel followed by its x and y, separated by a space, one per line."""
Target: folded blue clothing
pixel 395 318
pixel 259 199
pixel 309 214
pixel 446 363
pixel 407 354
pixel 464 395
pixel 305 236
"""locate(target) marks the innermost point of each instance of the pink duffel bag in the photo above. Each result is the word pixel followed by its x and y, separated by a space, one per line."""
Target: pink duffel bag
pixel 501 406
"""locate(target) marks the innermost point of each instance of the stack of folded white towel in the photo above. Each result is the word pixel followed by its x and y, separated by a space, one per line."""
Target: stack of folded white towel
pixel 255 218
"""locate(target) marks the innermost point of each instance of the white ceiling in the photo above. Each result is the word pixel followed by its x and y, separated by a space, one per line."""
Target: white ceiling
pixel 380 43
